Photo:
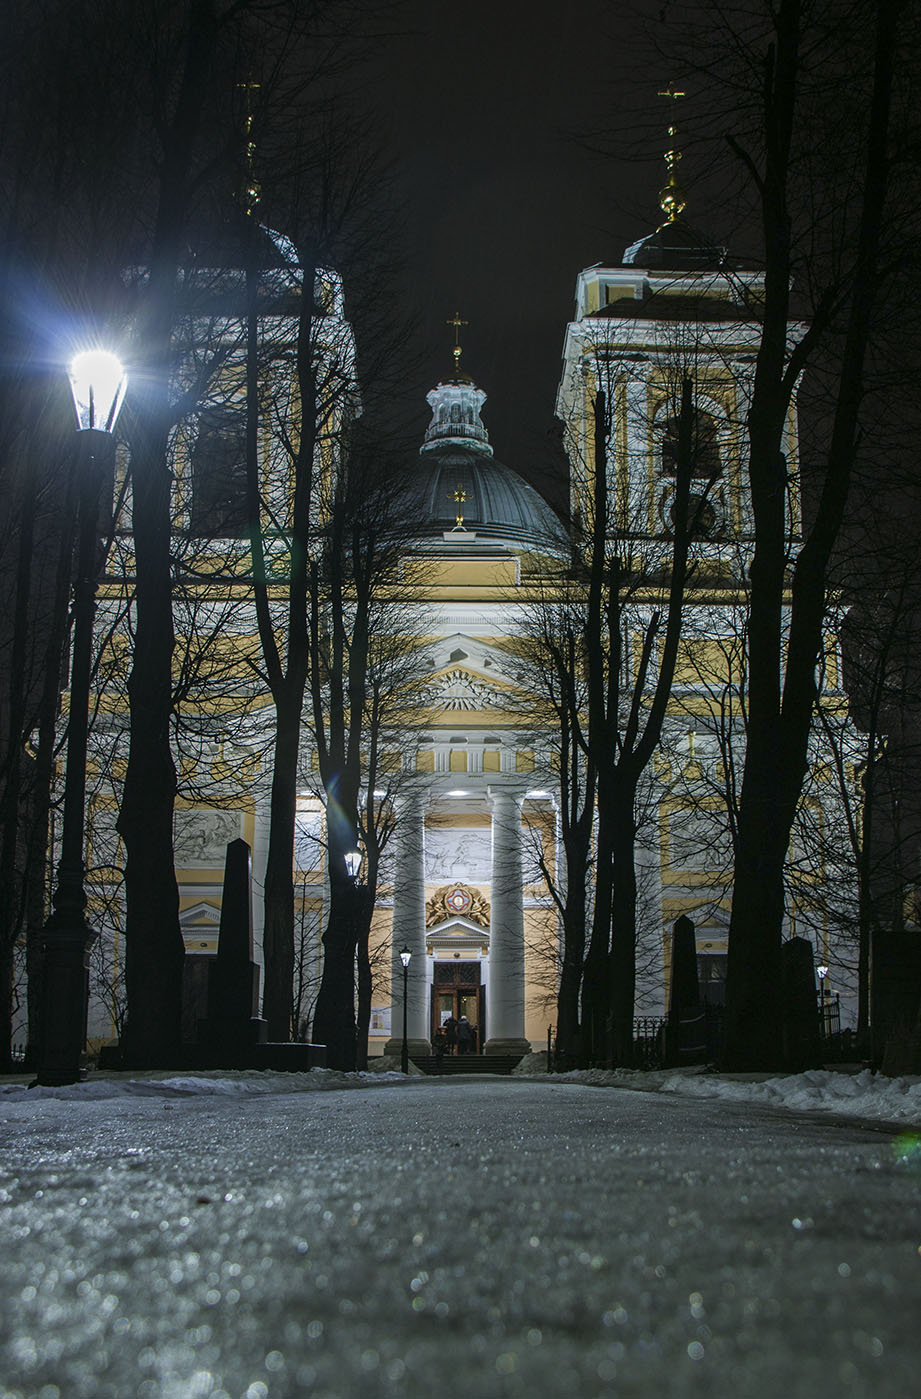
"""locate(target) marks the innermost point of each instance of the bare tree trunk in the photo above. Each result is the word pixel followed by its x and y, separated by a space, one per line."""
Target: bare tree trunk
pixel 364 907
pixel 278 992
pixel 596 976
pixel 334 1018
pixel 622 972
pixel 11 887
pixel 567 1000
pixel 154 945
pixel 779 722
pixel 39 842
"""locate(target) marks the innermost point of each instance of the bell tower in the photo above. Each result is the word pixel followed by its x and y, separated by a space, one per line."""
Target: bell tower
pixel 676 310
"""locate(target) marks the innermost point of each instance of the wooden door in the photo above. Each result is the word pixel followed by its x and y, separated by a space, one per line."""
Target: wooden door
pixel 457 991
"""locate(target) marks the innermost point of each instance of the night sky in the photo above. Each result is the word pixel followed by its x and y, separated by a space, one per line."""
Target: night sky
pixel 503 207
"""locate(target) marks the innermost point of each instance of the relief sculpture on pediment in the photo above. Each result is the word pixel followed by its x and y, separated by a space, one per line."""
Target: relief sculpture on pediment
pixel 458 689
pixel 456 901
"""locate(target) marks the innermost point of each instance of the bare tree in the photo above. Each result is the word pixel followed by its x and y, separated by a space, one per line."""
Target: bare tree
pixel 550 665
pixel 782 668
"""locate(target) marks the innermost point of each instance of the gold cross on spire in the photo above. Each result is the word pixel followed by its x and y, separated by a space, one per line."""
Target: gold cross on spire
pixel 671 198
pixel 252 192
pixel 460 495
pixel 458 349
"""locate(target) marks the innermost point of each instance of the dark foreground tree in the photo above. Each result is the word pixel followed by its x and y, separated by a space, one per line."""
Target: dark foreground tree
pixel 631 653
pixel 359 626
pixel 784 652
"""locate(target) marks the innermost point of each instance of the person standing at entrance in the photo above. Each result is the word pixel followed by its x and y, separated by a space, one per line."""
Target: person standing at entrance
pixel 450 1029
pixel 466 1036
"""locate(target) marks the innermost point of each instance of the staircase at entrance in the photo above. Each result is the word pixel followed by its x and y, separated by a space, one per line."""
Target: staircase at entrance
pixel 434 1064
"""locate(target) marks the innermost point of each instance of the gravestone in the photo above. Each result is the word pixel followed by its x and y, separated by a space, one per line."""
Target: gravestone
pixel 894 1011
pixel 686 1016
pixel 196 973
pixel 233 1025
pixel 801 1041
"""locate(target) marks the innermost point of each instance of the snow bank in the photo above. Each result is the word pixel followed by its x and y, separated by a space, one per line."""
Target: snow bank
pixel 217 1083
pixel 863 1094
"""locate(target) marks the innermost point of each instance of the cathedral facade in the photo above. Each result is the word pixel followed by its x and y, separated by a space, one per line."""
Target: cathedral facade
pixel 467 883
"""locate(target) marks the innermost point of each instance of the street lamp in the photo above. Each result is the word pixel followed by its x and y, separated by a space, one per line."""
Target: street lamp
pixel 405 958
pixel 822 973
pixel 359 936
pixel 98 384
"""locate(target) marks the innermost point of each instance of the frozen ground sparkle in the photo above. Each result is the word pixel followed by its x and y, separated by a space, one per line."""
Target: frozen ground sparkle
pixel 425 1238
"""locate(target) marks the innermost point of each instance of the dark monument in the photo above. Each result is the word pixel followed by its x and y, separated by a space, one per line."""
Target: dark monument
pixel 233 1025
pixel 687 1026
pixel 894 1011
pixel 801 1042
pixel 221 1026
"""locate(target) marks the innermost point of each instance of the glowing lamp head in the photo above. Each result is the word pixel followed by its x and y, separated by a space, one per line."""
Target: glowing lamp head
pixel 405 956
pixel 98 382
pixel 822 972
pixel 353 862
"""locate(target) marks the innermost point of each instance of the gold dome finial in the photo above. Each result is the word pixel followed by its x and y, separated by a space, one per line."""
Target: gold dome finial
pixel 458 349
pixel 252 192
pixel 671 196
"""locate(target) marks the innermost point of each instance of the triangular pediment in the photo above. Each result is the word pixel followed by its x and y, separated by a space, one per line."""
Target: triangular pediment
pixel 200 915
pixel 470 652
pixel 200 925
pixel 458 933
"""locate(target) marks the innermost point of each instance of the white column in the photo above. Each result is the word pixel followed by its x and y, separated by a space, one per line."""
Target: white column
pixel 409 929
pixel 505 995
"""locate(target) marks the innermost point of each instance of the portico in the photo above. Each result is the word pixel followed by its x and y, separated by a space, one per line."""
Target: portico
pixel 460 871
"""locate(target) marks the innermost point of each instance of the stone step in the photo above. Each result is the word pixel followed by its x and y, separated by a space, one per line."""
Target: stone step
pixel 435 1064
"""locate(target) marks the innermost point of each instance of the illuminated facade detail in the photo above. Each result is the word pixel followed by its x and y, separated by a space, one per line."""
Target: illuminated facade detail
pixel 454 900
pixel 458 689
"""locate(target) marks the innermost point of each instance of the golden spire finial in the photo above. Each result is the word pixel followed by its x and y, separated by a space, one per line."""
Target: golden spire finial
pixel 252 192
pixel 460 495
pixel 671 197
pixel 458 349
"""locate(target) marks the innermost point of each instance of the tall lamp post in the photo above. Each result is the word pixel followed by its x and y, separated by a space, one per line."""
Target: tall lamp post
pixel 352 869
pixel 405 958
pixel 98 383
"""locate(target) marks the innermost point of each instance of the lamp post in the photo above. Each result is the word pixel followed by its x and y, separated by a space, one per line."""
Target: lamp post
pixel 405 958
pixel 359 943
pixel 98 383
pixel 822 973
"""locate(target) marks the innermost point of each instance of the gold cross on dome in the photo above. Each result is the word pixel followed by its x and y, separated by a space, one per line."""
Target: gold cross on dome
pixel 458 349
pixel 460 495
pixel 671 198
pixel 252 192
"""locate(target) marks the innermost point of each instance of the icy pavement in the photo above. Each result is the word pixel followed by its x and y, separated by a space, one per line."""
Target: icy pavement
pixel 461 1238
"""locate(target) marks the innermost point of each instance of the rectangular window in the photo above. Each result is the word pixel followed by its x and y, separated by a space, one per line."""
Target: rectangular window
pixel 218 508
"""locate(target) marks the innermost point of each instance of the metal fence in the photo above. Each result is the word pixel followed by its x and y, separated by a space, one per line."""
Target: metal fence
pixel 829 1016
pixel 649 1041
